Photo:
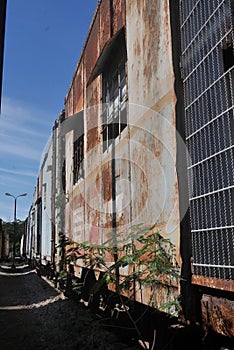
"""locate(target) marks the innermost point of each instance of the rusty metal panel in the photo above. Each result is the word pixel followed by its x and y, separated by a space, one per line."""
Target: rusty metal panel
pixel 123 187
pixel 92 215
pixel 149 53
pixel 93 96
pixel 106 182
pixel 218 314
pixel 152 116
pixel 69 103
pixel 118 18
pixel 105 23
pixel 93 211
pixel 91 51
pixel 78 88
pixel 76 213
pixel 211 282
pixel 98 197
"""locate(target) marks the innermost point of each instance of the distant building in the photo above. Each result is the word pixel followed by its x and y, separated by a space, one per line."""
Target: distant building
pixel 4 242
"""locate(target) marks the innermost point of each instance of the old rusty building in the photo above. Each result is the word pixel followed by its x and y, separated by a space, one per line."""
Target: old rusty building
pixel 146 137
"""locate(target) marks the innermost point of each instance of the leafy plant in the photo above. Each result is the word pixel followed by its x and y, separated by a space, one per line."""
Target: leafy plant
pixel 149 257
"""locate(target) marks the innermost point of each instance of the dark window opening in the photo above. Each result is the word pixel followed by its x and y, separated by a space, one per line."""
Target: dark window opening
pixel 228 57
pixel 78 147
pixel 228 62
pixel 114 94
pixel 78 158
pixel 64 176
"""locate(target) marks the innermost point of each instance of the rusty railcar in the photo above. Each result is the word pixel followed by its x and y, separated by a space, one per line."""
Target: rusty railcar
pixel 120 162
pixel 147 137
pixel 170 65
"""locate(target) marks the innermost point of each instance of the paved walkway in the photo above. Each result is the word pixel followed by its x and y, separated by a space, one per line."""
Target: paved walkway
pixel 33 315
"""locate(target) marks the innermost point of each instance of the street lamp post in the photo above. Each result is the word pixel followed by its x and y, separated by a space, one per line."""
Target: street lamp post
pixel 15 201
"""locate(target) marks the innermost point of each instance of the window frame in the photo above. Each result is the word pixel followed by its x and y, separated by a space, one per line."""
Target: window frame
pixel 114 101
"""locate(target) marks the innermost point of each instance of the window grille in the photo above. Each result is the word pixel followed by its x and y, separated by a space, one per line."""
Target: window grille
pixel 207 64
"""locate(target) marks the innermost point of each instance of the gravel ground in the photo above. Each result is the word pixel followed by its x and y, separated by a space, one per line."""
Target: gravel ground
pixel 33 315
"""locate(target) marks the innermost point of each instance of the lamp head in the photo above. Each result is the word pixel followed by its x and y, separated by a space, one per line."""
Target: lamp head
pixel 8 194
pixel 22 195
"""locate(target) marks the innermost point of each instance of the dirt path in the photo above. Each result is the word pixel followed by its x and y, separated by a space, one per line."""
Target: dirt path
pixel 33 315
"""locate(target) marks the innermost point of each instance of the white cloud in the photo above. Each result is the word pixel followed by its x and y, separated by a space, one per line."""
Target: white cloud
pixel 23 130
pixel 17 149
pixel 19 112
pixel 16 172
pixel 9 181
pixel 10 126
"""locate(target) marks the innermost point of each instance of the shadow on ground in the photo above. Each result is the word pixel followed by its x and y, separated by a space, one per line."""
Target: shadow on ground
pixel 35 315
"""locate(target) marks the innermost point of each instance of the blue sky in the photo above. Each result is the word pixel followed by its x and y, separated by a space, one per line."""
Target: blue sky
pixel 43 42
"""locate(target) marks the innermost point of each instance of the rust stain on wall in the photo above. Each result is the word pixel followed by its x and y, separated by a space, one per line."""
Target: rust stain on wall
pixel 69 103
pixel 92 49
pixel 78 94
pixel 107 182
pixel 227 285
pixel 93 94
pixel 163 101
pixel 92 105
pixel 105 23
pixel 77 200
pixel 118 15
pixel 92 136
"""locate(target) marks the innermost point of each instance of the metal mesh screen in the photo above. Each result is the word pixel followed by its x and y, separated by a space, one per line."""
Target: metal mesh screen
pixel 207 65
